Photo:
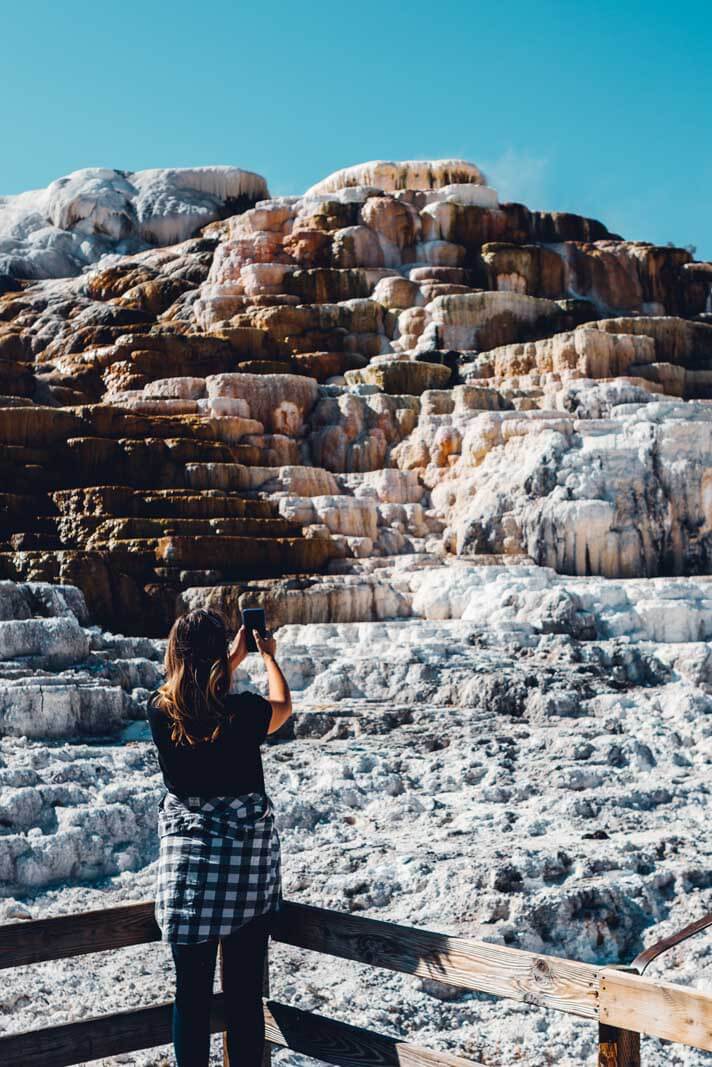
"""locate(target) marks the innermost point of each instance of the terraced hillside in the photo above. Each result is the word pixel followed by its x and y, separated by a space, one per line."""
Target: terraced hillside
pixel 393 364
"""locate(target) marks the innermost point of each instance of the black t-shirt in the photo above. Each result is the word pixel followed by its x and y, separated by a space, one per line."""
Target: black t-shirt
pixel 227 767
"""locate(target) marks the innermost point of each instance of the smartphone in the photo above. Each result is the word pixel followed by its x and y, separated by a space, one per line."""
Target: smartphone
pixel 254 619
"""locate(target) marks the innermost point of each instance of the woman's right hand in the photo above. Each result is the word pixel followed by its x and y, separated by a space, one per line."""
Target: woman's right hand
pixel 267 645
pixel 279 695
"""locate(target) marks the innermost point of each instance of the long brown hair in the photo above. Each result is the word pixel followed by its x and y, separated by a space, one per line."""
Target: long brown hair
pixel 197 677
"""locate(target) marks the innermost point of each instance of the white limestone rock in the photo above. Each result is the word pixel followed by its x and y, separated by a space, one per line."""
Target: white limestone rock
pixel 483 320
pixel 529 599
pixel 23 600
pixel 60 711
pixel 175 389
pixel 60 678
pixel 58 231
pixel 622 495
pixel 59 641
pixel 350 516
pixel 354 432
pixel 409 174
pixel 591 352
pixel 280 402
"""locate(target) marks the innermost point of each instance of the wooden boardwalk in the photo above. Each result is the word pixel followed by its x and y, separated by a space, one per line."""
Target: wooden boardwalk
pixel 623 1003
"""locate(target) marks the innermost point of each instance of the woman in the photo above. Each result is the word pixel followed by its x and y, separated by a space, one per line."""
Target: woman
pixel 219 864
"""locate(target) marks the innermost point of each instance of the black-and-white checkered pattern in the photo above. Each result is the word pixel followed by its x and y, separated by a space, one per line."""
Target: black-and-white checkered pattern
pixel 219 865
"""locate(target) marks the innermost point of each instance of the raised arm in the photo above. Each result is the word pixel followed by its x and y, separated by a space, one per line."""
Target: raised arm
pixel 279 695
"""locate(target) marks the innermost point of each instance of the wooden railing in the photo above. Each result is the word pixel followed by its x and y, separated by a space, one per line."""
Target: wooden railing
pixel 623 1003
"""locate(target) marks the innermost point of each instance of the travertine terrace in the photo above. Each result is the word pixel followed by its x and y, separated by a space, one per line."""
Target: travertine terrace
pixel 461 450
pixel 393 363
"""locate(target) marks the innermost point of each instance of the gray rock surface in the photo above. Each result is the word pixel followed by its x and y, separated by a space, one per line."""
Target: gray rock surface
pixel 526 759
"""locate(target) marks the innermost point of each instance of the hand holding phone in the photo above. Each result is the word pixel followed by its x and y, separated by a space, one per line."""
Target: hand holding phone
pixel 254 619
pixel 266 644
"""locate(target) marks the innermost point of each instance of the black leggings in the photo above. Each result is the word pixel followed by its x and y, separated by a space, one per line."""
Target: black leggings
pixel 243 965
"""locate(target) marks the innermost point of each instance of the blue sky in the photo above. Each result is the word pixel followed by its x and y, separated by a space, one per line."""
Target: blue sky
pixel 604 109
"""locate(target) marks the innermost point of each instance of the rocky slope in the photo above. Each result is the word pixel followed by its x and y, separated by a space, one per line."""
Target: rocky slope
pixel 460 450
pixel 215 410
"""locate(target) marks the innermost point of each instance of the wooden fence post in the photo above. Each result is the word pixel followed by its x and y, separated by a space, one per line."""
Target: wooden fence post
pixel 226 1057
pixel 618 1048
pixel 267 1054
